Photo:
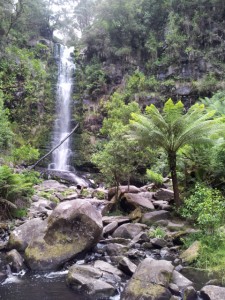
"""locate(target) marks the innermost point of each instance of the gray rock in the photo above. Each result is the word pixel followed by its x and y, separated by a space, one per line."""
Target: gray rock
pixel 22 236
pixel 161 204
pixel 49 185
pixel 128 230
pixel 110 228
pixel 87 279
pixel 131 201
pixel 150 281
pixel 212 292
pixel 181 281
pixel 123 189
pixel 119 219
pixel 147 195
pixel 174 289
pixel 127 266
pixel 158 242
pixel 107 268
pixel 115 249
pixel 164 194
pixel 189 293
pixel 15 260
pixel 154 216
pixel 73 227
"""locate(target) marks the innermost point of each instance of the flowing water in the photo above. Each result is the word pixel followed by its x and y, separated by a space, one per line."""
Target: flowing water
pixel 62 127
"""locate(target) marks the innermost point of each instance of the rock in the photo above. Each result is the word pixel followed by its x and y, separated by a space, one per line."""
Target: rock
pixel 110 228
pixel 161 204
pixel 154 216
pixel 147 195
pixel 190 293
pixel 51 185
pixel 128 230
pixel 22 236
pixel 41 206
pixel 123 189
pixel 183 90
pixel 131 201
pixel 150 281
pixel 212 292
pixel 127 266
pixel 15 260
pixel 70 197
pixel 87 279
pixel 73 227
pixel 115 249
pixel 136 214
pixel 140 238
pixel 164 194
pixel 106 267
pixel 100 193
pixel 119 219
pixel 181 281
pixel 189 255
pixel 158 242
pixel 175 226
pixel 174 289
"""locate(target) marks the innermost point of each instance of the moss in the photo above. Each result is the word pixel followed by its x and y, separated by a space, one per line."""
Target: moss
pixel 146 290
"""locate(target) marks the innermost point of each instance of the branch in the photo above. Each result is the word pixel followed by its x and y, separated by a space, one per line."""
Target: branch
pixel 61 142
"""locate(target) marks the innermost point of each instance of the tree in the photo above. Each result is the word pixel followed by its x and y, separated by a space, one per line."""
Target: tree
pixel 118 157
pixel 172 129
pixel 5 131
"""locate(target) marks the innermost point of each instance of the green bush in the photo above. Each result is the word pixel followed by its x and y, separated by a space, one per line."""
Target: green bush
pixel 13 188
pixel 26 154
pixel 205 207
pixel 154 177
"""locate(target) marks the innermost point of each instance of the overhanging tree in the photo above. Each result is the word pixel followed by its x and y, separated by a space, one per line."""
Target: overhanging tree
pixel 172 129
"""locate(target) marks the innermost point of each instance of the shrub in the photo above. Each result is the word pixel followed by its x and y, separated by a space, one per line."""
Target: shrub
pixel 205 207
pixel 26 154
pixel 13 188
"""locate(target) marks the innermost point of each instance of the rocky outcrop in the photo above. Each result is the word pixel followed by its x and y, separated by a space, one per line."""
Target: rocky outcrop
pixel 92 281
pixel 72 228
pixel 22 236
pixel 15 261
pixel 212 292
pixel 150 281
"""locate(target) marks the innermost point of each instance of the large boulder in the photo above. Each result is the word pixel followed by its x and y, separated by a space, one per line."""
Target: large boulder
pixel 131 201
pixel 128 231
pixel 191 254
pixel 15 260
pixel 91 281
pixel 74 226
pixel 164 194
pixel 155 216
pixel 21 237
pixel 150 281
pixel 212 292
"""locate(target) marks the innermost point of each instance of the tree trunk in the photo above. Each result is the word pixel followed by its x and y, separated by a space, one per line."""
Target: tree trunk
pixel 172 158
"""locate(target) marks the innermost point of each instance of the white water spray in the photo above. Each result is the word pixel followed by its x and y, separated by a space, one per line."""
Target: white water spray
pixel 60 157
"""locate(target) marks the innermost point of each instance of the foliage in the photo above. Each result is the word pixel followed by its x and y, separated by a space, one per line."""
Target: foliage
pixel 13 187
pixel 172 129
pixel 26 154
pixel 157 232
pixel 5 130
pixel 212 251
pixel 154 177
pixel 118 158
pixel 205 207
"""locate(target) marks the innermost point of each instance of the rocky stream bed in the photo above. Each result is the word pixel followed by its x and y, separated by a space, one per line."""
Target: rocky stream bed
pixel 71 247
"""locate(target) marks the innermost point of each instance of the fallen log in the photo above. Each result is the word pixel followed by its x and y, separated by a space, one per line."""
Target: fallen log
pixel 57 146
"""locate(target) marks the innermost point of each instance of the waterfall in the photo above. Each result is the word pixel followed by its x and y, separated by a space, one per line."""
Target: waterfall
pixel 62 126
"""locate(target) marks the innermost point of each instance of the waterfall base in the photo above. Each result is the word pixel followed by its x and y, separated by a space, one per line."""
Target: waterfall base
pixel 65 176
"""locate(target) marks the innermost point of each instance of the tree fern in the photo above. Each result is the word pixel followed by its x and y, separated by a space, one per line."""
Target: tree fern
pixel 172 128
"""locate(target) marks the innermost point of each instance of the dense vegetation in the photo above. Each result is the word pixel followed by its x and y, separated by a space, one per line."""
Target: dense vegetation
pixel 131 58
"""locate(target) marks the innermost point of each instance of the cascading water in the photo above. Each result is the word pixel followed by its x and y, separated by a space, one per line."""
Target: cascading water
pixel 60 157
